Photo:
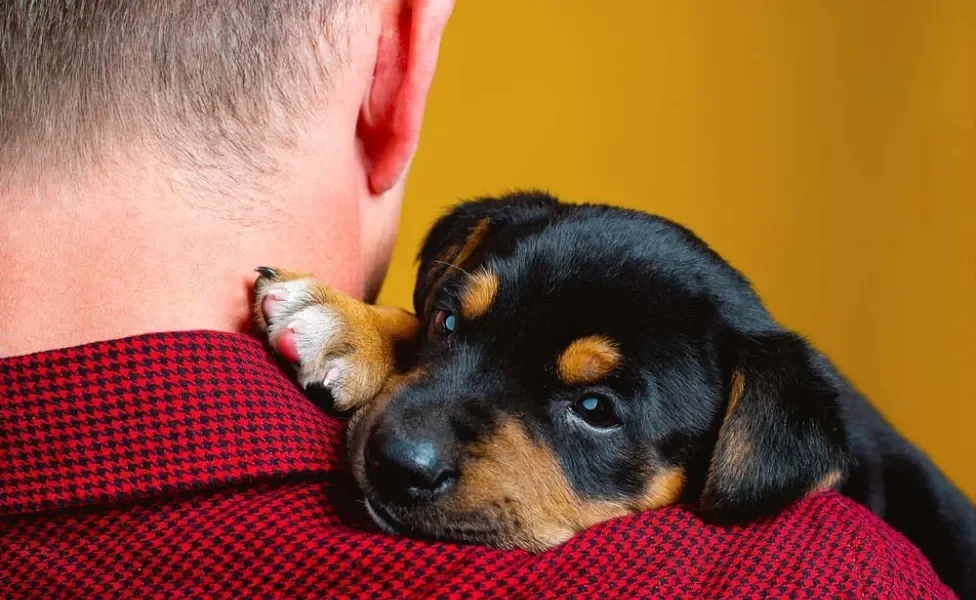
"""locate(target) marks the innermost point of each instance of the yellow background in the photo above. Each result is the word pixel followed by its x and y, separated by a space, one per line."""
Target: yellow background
pixel 826 148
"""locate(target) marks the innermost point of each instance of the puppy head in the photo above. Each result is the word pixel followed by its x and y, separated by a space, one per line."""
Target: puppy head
pixel 584 363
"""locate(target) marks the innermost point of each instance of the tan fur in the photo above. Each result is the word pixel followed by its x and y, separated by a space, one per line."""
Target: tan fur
pixel 366 339
pixel 521 483
pixel 734 450
pixel 663 489
pixel 479 294
pixel 737 388
pixel 477 236
pixel 587 360
pixel 830 481
pixel 372 333
pixel 396 324
pixel 456 255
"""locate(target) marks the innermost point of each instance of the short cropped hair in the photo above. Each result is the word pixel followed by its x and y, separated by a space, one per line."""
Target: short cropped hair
pixel 206 79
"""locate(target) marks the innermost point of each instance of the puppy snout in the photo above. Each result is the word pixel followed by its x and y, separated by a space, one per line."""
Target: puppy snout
pixel 408 469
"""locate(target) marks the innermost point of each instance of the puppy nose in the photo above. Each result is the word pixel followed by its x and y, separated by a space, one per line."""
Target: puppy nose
pixel 408 470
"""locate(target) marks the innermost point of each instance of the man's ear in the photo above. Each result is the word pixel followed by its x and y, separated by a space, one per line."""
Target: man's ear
pixel 781 436
pixel 393 109
pixel 463 236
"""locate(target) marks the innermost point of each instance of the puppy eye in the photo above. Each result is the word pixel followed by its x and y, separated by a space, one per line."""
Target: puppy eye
pixel 444 323
pixel 597 411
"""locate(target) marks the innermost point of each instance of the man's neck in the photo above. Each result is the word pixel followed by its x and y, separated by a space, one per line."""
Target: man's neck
pixel 127 260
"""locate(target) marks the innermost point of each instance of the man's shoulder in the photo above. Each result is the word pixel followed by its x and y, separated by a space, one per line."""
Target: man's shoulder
pixel 826 545
pixel 195 458
pixel 309 536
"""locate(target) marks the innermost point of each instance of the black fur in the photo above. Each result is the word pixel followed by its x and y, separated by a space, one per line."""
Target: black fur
pixel 687 324
pixel 789 413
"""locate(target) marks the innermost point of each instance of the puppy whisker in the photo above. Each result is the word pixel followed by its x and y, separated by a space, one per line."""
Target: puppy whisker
pixel 453 266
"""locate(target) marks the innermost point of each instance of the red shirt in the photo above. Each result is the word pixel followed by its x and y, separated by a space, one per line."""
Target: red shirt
pixel 180 465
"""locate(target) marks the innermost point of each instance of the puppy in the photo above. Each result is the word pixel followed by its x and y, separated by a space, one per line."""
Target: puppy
pixel 570 364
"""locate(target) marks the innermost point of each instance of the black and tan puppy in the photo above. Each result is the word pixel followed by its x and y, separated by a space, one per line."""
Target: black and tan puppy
pixel 572 364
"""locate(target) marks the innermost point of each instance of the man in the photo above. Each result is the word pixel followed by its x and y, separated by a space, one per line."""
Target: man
pixel 151 155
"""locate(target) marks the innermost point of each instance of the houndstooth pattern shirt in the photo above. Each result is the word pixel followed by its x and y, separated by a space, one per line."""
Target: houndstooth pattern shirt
pixel 188 465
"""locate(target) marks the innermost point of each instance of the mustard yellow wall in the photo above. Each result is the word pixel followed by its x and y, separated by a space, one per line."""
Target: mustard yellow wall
pixel 825 147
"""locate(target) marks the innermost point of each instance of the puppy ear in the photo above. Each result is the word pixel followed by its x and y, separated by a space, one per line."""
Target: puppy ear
pixel 467 233
pixel 781 436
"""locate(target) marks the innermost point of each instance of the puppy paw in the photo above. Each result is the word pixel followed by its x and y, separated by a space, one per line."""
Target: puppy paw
pixel 332 339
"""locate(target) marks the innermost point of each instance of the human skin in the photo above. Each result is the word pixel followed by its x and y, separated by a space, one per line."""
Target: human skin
pixel 132 245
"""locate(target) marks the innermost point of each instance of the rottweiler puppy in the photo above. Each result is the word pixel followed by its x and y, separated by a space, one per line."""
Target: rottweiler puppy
pixel 570 364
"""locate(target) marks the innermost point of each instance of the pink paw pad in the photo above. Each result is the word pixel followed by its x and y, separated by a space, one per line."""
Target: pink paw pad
pixel 284 342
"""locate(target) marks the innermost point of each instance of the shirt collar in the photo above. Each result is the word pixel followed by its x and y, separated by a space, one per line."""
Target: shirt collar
pixel 159 413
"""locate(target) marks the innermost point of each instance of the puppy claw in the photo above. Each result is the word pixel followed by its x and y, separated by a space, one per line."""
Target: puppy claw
pixel 267 272
pixel 331 376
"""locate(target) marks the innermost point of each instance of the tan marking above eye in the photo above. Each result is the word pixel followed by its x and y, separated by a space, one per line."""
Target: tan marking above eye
pixel 474 240
pixel 456 255
pixel 479 294
pixel 587 360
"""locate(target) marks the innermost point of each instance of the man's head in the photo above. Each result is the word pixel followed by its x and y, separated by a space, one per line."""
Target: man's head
pixel 202 80
pixel 292 121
